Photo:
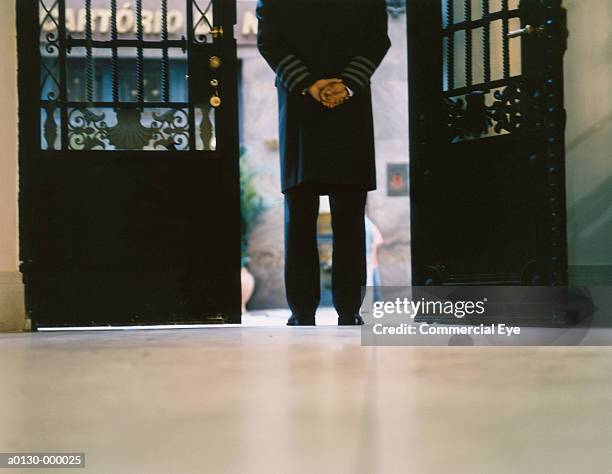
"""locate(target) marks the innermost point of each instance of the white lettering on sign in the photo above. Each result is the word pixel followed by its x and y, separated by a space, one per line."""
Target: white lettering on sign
pixel 249 24
pixel 101 21
pixel 76 21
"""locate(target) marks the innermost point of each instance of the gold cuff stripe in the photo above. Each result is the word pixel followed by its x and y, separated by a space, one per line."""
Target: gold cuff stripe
pixel 288 70
pixel 360 73
pixel 284 60
pixel 354 78
pixel 297 80
pixel 361 67
pixel 290 77
pixel 366 61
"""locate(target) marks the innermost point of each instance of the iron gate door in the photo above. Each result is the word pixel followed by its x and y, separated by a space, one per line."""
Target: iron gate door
pixel 487 141
pixel 129 198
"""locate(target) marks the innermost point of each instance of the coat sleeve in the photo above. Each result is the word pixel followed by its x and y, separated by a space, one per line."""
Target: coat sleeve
pixel 289 68
pixel 371 49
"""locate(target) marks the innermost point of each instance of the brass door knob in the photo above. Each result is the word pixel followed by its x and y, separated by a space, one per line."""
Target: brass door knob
pixel 214 63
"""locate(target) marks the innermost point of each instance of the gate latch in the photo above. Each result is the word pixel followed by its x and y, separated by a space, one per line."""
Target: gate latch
pixel 217 32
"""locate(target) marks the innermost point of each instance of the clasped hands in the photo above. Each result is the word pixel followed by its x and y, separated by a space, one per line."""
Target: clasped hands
pixel 329 92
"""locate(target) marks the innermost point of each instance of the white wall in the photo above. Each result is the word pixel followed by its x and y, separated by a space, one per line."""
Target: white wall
pixel 12 316
pixel 588 83
pixel 8 138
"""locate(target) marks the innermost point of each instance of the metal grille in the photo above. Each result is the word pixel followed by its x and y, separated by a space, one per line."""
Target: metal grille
pixel 118 75
pixel 481 68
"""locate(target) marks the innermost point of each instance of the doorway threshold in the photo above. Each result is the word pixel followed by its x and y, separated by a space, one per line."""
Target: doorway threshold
pixel 258 318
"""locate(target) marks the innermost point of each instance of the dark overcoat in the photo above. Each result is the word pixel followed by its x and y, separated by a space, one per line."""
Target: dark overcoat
pixel 307 40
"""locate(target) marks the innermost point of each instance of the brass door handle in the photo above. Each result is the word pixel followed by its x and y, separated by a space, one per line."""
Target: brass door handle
pixel 529 30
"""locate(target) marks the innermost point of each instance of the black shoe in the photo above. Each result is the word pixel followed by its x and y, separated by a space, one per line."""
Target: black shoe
pixel 356 320
pixel 301 321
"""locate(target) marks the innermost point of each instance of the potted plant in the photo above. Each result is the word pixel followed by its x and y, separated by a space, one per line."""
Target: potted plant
pixel 251 206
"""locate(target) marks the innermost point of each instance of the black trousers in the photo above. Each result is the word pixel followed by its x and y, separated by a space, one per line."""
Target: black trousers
pixel 302 277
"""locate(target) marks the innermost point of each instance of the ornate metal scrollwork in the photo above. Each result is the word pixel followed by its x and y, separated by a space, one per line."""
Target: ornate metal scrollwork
pixel 167 130
pixel 171 130
pixel 470 117
pixel 77 117
pixel 506 109
pixel 49 126
pixel 129 133
pixel 50 47
pixel 202 24
pixel 87 130
pixel 206 129
pixel 50 73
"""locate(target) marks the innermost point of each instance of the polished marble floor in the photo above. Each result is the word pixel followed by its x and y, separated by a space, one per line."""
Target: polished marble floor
pixel 269 399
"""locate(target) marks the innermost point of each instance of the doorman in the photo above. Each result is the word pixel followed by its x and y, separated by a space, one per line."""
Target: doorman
pixel 324 54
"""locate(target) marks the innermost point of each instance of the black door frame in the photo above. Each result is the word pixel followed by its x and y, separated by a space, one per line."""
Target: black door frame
pixel 542 70
pixel 225 173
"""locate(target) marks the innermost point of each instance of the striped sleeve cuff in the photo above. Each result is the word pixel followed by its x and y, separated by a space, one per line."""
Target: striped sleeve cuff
pixel 294 74
pixel 358 72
